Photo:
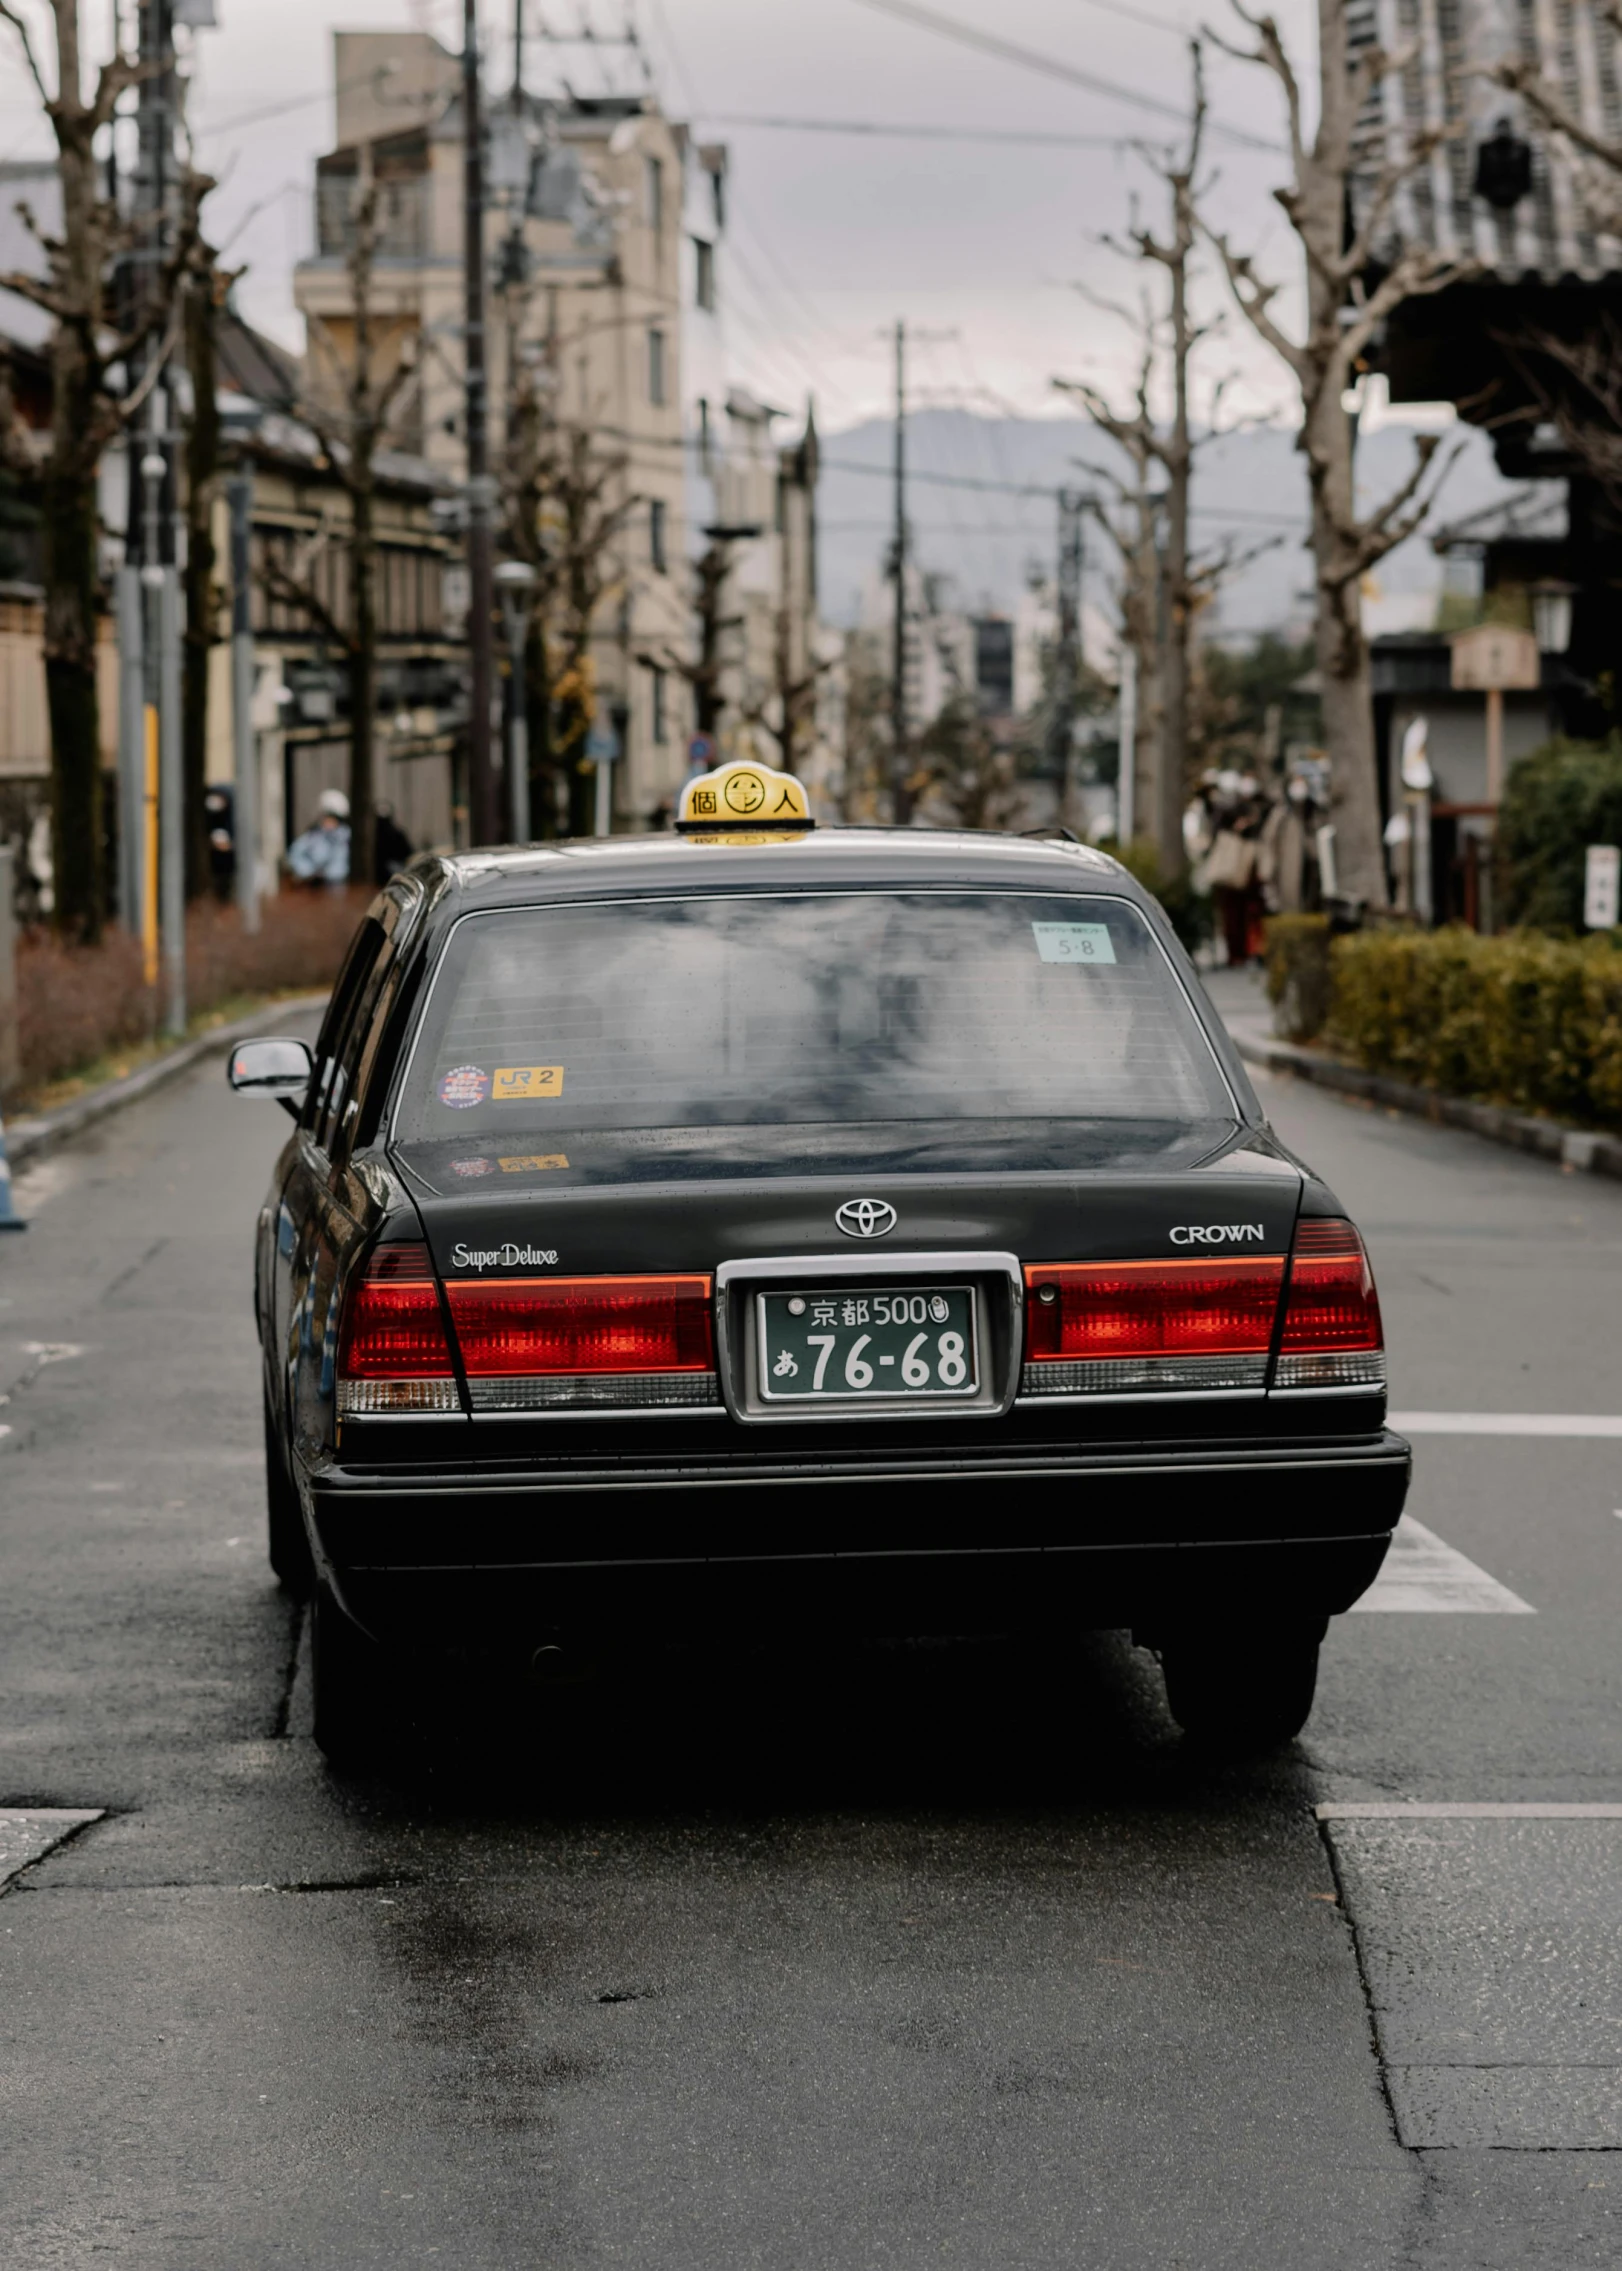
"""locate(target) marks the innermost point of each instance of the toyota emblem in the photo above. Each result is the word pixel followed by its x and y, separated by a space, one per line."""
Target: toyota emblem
pixel 866 1218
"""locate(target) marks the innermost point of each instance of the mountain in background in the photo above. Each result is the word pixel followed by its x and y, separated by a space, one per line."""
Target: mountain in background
pixel 988 540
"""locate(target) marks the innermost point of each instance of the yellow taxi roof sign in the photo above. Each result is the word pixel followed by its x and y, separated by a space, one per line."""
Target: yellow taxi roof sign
pixel 743 795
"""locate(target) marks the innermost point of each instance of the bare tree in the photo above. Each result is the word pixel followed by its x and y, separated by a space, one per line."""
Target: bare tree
pixel 963 771
pixel 349 404
pixel 1339 201
pixel 704 670
pixel 92 343
pixel 1132 525
pixel 1168 449
pixel 565 502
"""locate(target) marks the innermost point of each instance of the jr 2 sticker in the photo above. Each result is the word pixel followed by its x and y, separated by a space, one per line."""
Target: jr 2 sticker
pixel 525 1084
pixel 1072 942
pixel 463 1087
pixel 533 1164
pixel 467 1168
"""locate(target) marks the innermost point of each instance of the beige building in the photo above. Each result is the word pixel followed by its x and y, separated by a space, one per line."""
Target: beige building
pixel 593 191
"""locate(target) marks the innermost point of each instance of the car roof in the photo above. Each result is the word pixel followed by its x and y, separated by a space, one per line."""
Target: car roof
pixel 859 857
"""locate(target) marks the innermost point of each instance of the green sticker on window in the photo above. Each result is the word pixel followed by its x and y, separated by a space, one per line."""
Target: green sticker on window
pixel 1074 942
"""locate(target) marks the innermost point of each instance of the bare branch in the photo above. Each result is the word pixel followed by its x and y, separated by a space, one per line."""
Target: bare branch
pixel 9 15
pixel 1254 297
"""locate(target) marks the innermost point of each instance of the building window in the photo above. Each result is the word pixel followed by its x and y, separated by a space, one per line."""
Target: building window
pixel 704 278
pixel 656 536
pixel 656 366
pixel 655 177
pixel 660 722
pixel 704 459
pixel 718 198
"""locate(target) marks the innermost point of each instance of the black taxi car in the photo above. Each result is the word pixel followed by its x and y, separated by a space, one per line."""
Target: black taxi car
pixel 858 1228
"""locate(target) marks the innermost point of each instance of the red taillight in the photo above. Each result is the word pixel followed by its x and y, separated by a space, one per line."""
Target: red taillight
pixel 1203 1308
pixel 393 1355
pixel 1332 1336
pixel 531 1342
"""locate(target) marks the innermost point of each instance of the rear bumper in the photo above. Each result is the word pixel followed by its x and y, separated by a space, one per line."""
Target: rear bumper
pixel 895 1543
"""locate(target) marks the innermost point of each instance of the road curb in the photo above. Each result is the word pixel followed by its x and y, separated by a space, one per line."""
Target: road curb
pixel 1580 1148
pixel 30 1139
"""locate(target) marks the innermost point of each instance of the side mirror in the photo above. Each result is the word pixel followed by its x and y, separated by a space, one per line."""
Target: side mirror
pixel 275 1068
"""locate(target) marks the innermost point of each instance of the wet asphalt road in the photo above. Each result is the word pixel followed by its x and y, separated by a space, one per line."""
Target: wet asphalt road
pixel 926 1956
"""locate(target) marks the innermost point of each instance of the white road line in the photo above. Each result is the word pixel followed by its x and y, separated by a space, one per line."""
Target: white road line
pixel 27 1833
pixel 1506 1423
pixel 1424 1575
pixel 1465 1810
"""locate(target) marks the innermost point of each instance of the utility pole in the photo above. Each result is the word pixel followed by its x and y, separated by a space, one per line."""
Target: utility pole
pixel 1067 657
pixel 484 810
pixel 900 792
pixel 239 496
pixel 163 834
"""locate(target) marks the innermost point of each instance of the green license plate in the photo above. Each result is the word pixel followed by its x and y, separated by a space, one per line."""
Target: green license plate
pixel 902 1341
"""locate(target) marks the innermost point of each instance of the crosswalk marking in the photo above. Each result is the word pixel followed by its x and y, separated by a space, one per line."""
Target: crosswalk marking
pixel 1424 1575
pixel 1573 1424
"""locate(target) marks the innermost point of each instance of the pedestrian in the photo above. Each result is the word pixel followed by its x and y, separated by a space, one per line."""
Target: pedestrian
pixel 393 847
pixel 320 856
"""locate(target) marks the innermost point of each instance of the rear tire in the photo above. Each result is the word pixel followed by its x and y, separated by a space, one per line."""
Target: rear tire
pixel 349 1677
pixel 1243 1693
pixel 288 1544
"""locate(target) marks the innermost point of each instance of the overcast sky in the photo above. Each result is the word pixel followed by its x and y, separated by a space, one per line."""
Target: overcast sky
pixel 977 244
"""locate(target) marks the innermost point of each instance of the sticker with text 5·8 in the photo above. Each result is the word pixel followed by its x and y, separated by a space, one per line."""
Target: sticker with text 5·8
pixel 522 1084
pixel 1066 942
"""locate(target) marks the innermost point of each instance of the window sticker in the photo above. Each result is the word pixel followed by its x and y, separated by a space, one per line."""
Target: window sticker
pixel 526 1084
pixel 470 1167
pixel 1070 942
pixel 463 1087
pixel 535 1165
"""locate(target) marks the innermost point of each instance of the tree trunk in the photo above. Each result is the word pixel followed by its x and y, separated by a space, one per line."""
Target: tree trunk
pixel 363 682
pixel 1343 660
pixel 202 468
pixel 1165 823
pixel 68 534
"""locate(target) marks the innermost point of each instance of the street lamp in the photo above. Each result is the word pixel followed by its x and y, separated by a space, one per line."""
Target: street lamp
pixel 1551 615
pixel 515 581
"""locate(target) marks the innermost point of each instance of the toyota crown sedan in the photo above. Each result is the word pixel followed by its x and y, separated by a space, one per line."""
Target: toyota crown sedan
pixel 848 1230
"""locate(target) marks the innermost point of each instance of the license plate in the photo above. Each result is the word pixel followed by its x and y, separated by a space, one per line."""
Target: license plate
pixel 906 1341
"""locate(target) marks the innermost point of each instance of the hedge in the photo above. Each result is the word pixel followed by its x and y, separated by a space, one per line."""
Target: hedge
pixel 1522 1019
pixel 1559 800
pixel 78 1006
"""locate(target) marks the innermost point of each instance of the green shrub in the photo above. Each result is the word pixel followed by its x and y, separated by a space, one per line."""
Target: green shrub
pixel 1298 984
pixel 1187 910
pixel 1523 1019
pixel 1564 797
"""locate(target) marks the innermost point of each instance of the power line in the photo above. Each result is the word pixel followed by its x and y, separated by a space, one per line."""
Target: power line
pixel 1014 137
pixel 1135 15
pixel 1049 489
pixel 1049 66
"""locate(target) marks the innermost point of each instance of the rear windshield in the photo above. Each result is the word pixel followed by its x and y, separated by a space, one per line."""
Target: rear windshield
pixel 805 1008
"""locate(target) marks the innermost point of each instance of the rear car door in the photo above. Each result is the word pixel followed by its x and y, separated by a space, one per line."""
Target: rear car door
pixel 304 1193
